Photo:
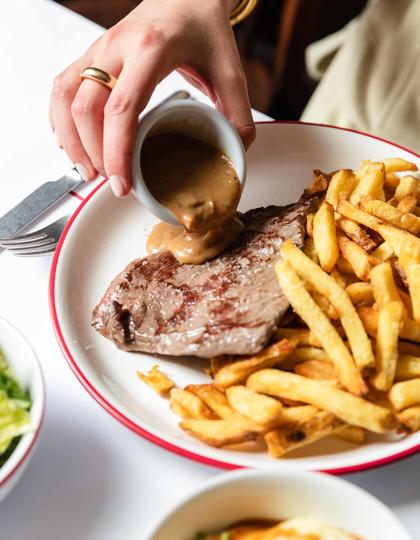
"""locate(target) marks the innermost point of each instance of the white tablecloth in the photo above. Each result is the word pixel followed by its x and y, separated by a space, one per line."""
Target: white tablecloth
pixel 90 478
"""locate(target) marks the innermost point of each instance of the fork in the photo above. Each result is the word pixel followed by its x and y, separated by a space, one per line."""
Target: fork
pixel 37 243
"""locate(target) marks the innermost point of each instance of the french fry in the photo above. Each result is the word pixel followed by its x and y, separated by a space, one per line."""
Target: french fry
pixel 407 204
pixel 341 185
pixel 383 285
pixel 405 245
pixel 317 369
pixel 326 285
pixel 405 394
pixel 406 300
pixel 301 336
pixel 361 171
pixel 389 321
pixel 360 293
pixel 301 354
pixel 325 305
pixel 310 225
pixel 381 195
pixel 383 252
pixel 409 185
pixel 293 436
pixel 410 418
pixel 217 362
pixel 413 277
pixel 324 236
pixel 371 183
pixel 408 367
pixel 214 398
pixel 409 330
pixel 308 310
pixel 339 278
pixel 348 407
pixel 188 405
pixel 392 181
pixel 309 250
pixel 238 371
pixel 350 211
pixel 261 409
pixel 393 201
pixel 344 266
pixel 358 258
pixel 392 215
pixel 319 183
pixel 393 165
pixel 356 233
pixel 221 432
pixel 156 380
pixel 353 434
pixel 297 413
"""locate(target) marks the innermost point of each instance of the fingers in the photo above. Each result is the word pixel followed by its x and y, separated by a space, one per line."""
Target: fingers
pixel 128 98
pixel 64 90
pixel 230 87
pixel 87 110
pixel 233 102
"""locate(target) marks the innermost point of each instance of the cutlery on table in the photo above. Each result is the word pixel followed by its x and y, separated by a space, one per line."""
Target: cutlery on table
pixel 37 243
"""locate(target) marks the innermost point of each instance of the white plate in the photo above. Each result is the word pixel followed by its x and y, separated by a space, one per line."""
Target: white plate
pixel 106 233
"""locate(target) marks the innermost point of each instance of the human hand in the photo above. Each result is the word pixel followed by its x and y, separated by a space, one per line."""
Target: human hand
pixel 97 127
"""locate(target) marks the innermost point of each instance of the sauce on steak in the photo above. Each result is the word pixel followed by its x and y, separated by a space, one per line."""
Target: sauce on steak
pixel 228 305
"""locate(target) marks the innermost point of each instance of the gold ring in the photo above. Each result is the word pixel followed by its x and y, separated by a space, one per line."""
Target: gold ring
pixel 100 76
pixel 242 10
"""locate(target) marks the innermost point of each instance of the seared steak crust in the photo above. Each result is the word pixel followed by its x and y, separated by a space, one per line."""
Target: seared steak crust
pixel 228 305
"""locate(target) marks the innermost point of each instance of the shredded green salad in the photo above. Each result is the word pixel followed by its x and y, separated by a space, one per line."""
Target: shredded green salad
pixel 14 411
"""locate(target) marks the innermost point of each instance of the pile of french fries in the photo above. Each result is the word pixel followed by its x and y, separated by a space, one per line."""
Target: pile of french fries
pixel 346 360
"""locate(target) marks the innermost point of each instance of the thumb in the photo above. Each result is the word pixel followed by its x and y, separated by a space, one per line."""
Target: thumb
pixel 232 100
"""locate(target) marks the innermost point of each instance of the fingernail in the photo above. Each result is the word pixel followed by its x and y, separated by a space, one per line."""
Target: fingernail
pixel 116 185
pixel 82 170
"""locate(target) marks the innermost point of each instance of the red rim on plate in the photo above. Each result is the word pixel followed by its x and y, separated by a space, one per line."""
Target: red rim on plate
pixel 135 427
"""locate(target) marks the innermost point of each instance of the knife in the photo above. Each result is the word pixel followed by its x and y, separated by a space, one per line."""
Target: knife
pixel 37 203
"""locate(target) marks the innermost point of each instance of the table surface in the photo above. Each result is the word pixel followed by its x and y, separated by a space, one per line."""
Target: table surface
pixel 90 478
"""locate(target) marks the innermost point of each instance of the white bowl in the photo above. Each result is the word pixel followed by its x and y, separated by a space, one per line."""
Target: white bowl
pixel 24 363
pixel 190 118
pixel 276 495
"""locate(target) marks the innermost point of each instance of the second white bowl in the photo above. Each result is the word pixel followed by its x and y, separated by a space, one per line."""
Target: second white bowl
pixel 276 495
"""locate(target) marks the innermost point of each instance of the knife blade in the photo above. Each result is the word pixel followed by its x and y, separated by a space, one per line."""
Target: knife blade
pixel 37 203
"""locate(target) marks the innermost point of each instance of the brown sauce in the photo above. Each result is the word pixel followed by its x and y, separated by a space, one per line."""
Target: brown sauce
pixel 199 185
pixel 190 247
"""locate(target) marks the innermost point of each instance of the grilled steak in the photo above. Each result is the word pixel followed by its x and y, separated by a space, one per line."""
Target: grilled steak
pixel 228 305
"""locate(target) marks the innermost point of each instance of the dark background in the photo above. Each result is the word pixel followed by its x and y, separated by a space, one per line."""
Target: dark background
pixel 271 41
